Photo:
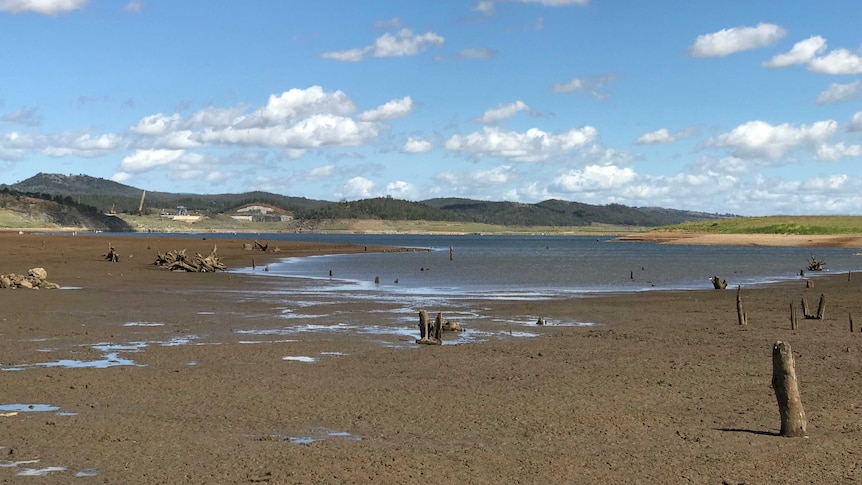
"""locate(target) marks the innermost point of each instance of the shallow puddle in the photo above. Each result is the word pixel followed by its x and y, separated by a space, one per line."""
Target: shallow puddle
pixel 28 408
pixel 300 358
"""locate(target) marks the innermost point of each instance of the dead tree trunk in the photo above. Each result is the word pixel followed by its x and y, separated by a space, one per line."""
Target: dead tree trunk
pixel 428 334
pixel 786 387
pixel 821 309
pixel 740 314
pixel 718 283
pixel 112 255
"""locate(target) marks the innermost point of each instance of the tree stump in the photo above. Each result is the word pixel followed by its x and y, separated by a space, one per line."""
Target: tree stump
pixel 740 314
pixel 112 255
pixel 786 387
pixel 540 321
pixel 428 335
pixel 718 283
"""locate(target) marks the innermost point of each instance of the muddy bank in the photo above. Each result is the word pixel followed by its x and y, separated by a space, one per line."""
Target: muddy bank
pixel 140 375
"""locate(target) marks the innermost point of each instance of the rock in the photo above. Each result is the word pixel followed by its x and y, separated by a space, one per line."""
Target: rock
pixel 38 273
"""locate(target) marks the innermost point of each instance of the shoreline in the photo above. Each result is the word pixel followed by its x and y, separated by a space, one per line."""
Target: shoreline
pixel 210 378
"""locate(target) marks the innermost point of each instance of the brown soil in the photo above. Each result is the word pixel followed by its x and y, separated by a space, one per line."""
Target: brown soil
pixel 666 389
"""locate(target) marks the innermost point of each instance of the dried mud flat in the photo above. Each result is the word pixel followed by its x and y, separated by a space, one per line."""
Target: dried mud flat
pixel 140 375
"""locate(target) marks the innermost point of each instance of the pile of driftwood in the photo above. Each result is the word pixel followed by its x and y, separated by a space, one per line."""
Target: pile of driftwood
pixel 179 261
pixel 815 264
pixel 258 246
pixel 35 278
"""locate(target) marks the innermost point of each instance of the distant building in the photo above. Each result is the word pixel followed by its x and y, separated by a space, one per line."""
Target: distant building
pixel 261 213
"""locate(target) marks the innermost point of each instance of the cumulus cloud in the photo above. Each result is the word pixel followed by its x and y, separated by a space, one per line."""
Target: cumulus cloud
pixel 42 7
pixel 736 39
pixel 533 145
pixel 400 189
pixel 182 164
pixel 397 108
pixel 403 43
pixel 839 92
pixel 592 178
pixel 855 122
pixel 758 139
pixel 81 145
pixel 801 53
pixel 839 61
pixel 295 120
pixel 357 188
pixel 831 153
pixel 416 145
pixel 589 84
pixel 503 112
pixel 662 135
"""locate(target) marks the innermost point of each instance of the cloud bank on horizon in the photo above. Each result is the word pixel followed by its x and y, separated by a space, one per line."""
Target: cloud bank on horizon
pixel 738 107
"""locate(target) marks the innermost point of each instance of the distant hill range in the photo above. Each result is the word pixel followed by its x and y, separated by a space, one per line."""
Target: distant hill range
pixel 101 195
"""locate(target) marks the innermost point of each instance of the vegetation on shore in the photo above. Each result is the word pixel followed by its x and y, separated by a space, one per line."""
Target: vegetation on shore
pixel 799 225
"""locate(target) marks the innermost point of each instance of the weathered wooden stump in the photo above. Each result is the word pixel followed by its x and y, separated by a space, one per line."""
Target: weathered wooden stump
pixel 540 321
pixel 112 255
pixel 740 314
pixel 821 309
pixel 718 283
pixel 794 323
pixel 786 387
pixel 428 334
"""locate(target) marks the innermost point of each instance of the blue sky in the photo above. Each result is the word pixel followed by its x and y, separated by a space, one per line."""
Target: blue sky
pixel 736 106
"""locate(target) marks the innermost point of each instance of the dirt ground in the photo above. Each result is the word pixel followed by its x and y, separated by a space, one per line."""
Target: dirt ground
pixel 667 388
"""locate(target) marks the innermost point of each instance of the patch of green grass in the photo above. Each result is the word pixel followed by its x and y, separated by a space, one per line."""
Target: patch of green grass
pixel 801 225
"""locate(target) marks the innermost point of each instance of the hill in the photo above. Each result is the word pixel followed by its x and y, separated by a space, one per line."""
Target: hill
pixel 103 195
pixel 21 212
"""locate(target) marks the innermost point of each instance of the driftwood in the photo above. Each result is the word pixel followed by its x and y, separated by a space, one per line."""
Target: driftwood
pixel 112 254
pixel 179 261
pixel 35 278
pixel 718 283
pixel 815 264
pixel 540 321
pixel 448 325
pixel 821 309
pixel 258 246
pixel 429 334
pixel 786 387
pixel 740 314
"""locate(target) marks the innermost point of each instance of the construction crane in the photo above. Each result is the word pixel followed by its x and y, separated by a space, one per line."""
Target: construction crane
pixel 141 205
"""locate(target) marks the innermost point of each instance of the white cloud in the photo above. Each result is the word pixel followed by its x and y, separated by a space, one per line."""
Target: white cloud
pixel 589 84
pixel 357 188
pixel 145 160
pixel 82 145
pixel 855 122
pixel 839 61
pixel 400 189
pixel 839 92
pixel 503 112
pixel 484 6
pixel 758 139
pixel 801 53
pixel 736 39
pixel 404 43
pixel 416 145
pixel 662 135
pixel 592 178
pixel 831 153
pixel 157 124
pixel 43 7
pixel 397 108
pixel 24 116
pixel 295 120
pixel 533 145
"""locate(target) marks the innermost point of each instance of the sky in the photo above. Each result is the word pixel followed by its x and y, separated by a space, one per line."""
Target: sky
pixel 730 107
